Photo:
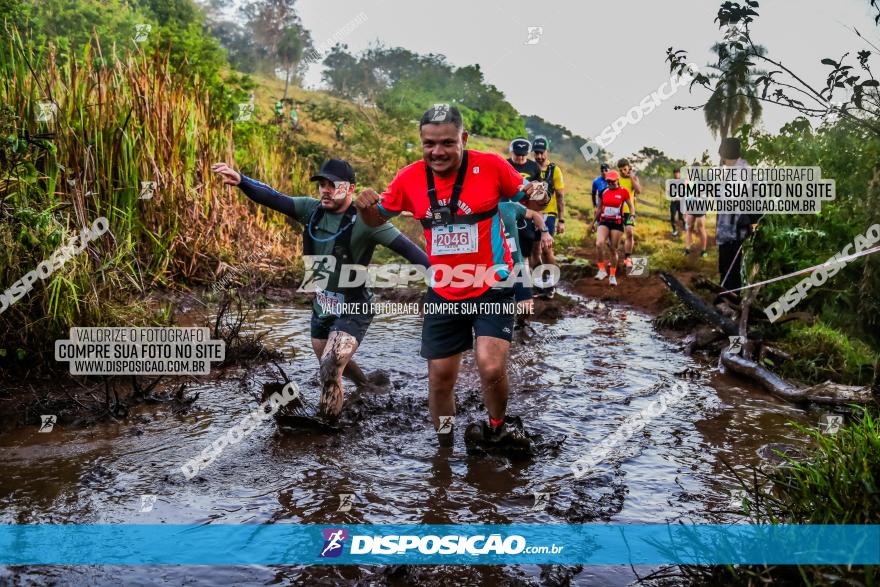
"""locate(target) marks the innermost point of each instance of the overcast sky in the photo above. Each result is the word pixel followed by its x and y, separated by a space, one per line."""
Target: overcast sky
pixel 595 60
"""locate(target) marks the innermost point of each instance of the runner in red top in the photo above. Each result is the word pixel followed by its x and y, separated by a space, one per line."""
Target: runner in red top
pixel 455 193
pixel 610 218
pixel 487 178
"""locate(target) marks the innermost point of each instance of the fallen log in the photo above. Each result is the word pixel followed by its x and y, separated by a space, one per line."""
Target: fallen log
pixel 701 337
pixel 827 393
pixel 695 303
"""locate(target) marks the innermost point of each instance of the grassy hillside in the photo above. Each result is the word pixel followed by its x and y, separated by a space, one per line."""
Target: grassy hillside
pixel 653 234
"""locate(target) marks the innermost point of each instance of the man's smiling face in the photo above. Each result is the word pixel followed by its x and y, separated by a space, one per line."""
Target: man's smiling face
pixel 443 147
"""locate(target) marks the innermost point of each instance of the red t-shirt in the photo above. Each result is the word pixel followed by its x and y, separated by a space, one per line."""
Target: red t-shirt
pixel 488 180
pixel 612 204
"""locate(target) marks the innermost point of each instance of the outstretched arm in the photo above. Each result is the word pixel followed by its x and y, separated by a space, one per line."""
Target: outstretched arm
pixel 255 190
pixel 409 251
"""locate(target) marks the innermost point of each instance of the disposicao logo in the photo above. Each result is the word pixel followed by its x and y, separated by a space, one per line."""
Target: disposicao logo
pixel 334 539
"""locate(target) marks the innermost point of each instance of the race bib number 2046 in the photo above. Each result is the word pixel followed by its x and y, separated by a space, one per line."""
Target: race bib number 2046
pixel 454 239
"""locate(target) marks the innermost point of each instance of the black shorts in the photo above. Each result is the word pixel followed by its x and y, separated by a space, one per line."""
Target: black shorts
pixel 611 224
pixel 452 332
pixel 521 292
pixel 628 220
pixel 353 324
pixel 527 238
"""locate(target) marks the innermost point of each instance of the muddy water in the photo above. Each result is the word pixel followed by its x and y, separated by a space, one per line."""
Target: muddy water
pixel 576 379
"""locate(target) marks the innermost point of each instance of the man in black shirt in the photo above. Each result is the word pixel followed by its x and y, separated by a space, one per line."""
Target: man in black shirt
pixel 531 171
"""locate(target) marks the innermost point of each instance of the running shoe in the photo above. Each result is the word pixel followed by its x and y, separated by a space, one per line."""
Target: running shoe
pixel 687 252
pixel 674 232
pixel 509 438
pixel 474 436
pixel 602 274
pixel 445 440
pixel 703 253
pixel 628 263
pixel 612 280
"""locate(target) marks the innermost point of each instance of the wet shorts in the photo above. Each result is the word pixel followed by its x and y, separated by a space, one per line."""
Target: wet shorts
pixel 353 324
pixel 550 221
pixel 521 292
pixel 611 224
pixel 449 333
pixel 527 238
pixel 628 220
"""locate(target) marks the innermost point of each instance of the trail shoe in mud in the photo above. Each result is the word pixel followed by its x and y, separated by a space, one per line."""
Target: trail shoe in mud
pixel 628 263
pixel 298 415
pixel 601 274
pixel 474 436
pixel 509 438
pixel 612 281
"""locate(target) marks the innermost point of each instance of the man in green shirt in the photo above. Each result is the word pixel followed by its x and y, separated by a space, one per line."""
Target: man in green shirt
pixel 332 236
pixel 294 117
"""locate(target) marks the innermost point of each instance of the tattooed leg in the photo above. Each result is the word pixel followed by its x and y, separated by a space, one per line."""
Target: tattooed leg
pixel 352 370
pixel 337 353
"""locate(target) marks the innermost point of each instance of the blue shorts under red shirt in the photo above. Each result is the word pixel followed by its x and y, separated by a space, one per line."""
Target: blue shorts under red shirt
pixel 488 180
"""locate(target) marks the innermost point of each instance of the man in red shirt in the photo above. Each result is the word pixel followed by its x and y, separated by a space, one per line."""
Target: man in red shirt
pixel 454 193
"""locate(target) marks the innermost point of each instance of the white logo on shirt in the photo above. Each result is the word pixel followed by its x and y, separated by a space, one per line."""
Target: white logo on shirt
pixel 476 169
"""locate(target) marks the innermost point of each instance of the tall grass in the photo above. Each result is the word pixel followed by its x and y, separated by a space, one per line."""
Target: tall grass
pixel 838 483
pixel 118 122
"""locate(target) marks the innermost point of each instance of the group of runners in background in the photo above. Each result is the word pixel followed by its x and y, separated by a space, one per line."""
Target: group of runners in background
pixel 614 194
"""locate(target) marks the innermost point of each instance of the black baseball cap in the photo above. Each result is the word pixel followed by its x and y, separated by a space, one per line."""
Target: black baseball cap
pixel 520 146
pixel 539 145
pixel 604 167
pixel 335 170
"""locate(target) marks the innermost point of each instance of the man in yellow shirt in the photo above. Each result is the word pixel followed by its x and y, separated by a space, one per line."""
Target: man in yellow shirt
pixel 630 182
pixel 554 216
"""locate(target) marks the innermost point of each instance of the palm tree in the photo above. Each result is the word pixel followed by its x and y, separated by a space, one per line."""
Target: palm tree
pixel 734 99
pixel 289 52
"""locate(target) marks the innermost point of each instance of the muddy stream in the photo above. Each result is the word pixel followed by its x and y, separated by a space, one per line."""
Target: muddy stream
pixel 575 379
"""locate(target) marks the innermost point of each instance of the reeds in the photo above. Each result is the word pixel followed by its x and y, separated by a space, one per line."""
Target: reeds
pixel 117 123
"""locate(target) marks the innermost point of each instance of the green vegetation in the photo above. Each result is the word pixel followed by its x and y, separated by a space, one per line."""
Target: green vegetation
pixel 110 126
pixel 846 153
pixel 401 83
pixel 821 353
pixel 733 101
pixel 838 482
pixel 129 104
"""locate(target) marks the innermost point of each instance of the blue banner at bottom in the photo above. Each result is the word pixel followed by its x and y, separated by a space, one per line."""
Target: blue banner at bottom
pixel 281 544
